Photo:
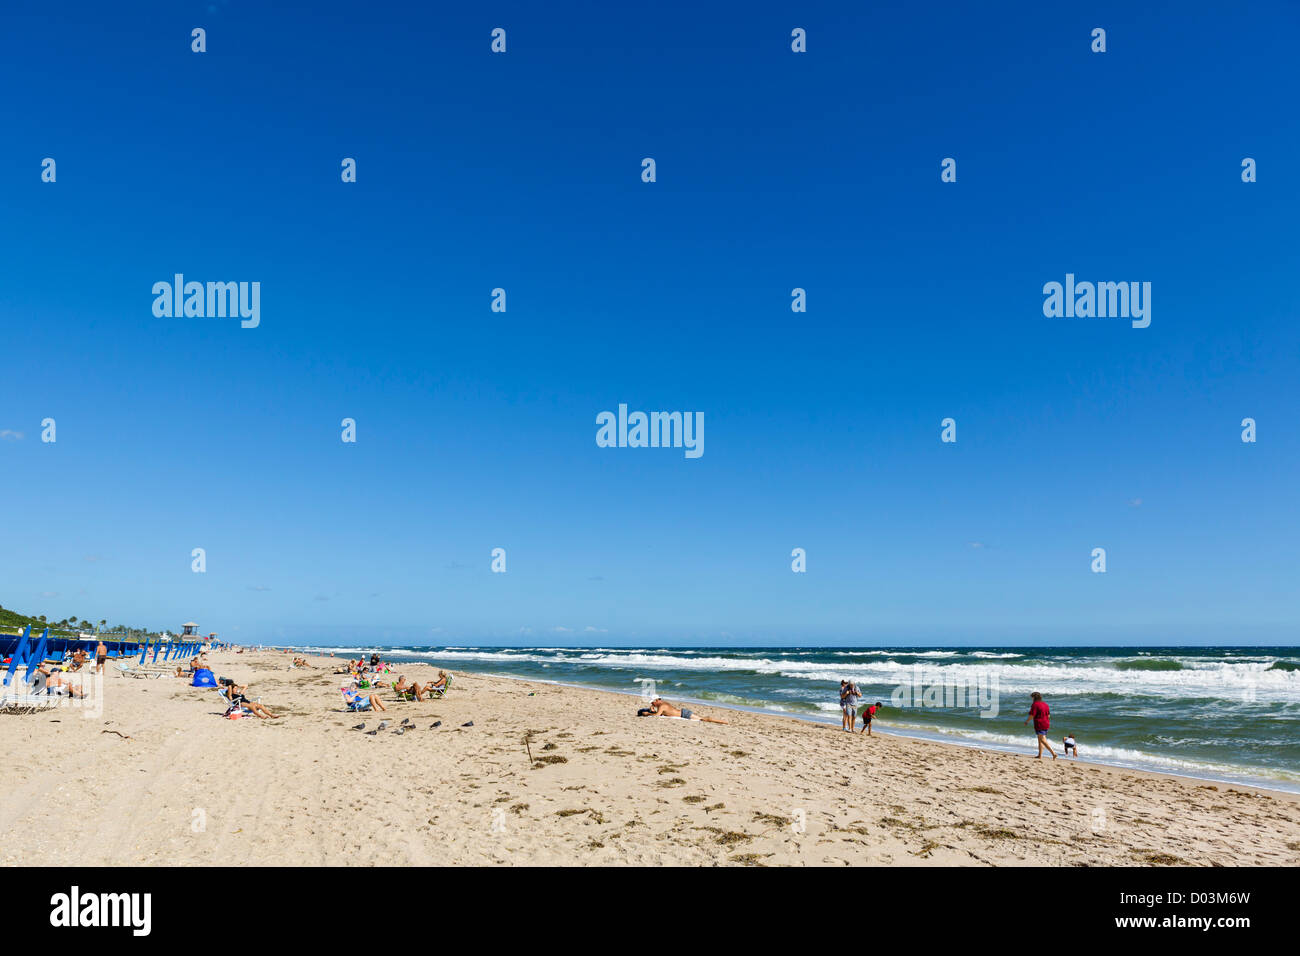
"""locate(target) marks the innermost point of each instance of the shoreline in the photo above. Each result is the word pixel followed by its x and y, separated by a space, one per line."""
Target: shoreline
pixel 550 774
pixel 1243 780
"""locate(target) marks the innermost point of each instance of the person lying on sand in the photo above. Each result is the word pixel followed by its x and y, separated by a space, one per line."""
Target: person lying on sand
pixel 661 708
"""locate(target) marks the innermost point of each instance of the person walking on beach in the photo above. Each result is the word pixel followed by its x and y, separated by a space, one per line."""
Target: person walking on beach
pixel 101 655
pixel 1040 714
pixel 844 713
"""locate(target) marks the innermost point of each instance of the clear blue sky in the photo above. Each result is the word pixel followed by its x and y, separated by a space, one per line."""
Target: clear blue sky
pixel 775 170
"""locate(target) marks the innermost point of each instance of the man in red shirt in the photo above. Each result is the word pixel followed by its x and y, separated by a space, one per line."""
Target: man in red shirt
pixel 1040 714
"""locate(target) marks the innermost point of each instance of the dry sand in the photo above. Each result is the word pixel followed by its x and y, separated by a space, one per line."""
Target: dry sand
pixel 182 786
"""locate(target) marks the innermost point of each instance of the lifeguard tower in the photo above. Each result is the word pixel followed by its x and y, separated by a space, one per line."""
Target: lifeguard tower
pixel 191 630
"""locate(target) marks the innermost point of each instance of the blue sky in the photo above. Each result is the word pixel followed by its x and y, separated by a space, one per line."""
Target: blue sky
pixel 775 170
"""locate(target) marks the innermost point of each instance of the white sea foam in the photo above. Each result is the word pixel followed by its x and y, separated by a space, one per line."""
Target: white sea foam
pixel 1117 756
pixel 1235 680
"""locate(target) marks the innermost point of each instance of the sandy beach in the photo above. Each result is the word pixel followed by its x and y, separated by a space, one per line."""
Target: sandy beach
pixel 559 775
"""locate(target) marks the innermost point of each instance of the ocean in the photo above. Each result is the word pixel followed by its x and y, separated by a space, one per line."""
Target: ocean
pixel 1220 713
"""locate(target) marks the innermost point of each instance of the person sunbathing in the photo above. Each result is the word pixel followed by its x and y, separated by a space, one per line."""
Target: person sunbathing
pixel 356 701
pixel 236 696
pixel 79 657
pixel 238 701
pixel 58 686
pixel 439 684
pixel 417 692
pixel 661 708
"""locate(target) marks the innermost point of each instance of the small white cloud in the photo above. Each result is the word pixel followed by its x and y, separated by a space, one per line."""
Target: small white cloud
pixel 8 434
pixel 594 630
pixel 259 587
pixel 977 544
pixel 49 594
pixel 1135 503
pixel 561 630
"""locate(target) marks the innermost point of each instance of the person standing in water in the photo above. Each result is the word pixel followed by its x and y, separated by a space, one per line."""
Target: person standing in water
pixel 1040 714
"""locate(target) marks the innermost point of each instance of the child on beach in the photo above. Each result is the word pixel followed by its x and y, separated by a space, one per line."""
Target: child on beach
pixel 1071 748
pixel 1040 714
pixel 868 715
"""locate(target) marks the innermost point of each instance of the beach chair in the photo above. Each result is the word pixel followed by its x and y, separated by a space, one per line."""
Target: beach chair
pixel 406 694
pixel 440 692
pixel 231 708
pixel 126 670
pixel 27 703
pixel 360 705
pixel 37 697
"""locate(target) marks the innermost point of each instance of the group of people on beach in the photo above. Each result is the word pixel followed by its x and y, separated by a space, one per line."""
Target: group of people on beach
pixel 1041 715
pixel 365 676
pixel 849 698
pixel 52 678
